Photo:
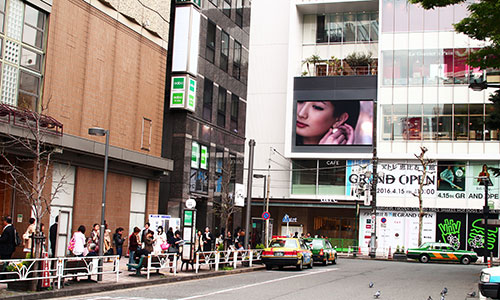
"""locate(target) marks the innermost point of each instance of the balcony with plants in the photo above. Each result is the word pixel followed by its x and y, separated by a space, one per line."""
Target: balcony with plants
pixel 354 64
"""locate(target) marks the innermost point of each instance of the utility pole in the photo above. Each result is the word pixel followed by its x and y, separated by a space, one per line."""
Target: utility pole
pixel 251 145
pixel 267 208
pixel 373 237
pixel 485 180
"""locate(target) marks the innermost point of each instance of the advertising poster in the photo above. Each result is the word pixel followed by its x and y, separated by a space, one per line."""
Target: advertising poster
pixel 475 235
pixel 397 229
pixel 451 179
pixel 402 179
pixel 355 173
pixel 450 228
pixel 335 122
pixel 475 186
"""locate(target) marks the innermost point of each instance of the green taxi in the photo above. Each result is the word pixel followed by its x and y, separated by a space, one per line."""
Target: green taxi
pixel 322 250
pixel 441 252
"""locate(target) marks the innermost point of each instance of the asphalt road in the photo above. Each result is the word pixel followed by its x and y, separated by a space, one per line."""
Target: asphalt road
pixel 349 279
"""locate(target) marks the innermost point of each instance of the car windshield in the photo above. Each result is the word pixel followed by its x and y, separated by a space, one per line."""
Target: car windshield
pixel 315 243
pixel 425 245
pixel 283 244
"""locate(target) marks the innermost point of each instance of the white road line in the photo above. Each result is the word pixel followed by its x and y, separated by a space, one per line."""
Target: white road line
pixel 256 284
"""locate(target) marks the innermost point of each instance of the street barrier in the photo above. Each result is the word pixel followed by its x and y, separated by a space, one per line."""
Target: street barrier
pixel 232 258
pixel 56 269
pixel 161 261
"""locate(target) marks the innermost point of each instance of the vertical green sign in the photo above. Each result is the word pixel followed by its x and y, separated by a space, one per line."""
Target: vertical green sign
pixel 191 95
pixel 195 155
pixel 204 157
pixel 188 218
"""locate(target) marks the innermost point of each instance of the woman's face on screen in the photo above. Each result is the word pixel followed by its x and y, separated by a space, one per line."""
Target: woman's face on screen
pixel 314 118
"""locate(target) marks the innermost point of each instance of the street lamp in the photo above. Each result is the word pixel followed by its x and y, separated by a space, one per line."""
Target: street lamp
pixel 485 180
pixel 265 204
pixel 101 132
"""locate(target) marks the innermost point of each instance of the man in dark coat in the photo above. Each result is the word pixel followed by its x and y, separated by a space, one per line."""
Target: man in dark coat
pixel 7 239
pixel 53 237
pixel 208 239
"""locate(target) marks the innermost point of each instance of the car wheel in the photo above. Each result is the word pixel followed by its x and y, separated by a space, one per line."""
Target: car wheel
pixel 424 258
pixel 334 261
pixel 300 265
pixel 325 261
pixel 311 263
pixel 465 260
pixel 269 267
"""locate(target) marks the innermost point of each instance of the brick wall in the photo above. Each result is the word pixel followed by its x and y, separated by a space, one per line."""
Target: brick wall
pixel 101 73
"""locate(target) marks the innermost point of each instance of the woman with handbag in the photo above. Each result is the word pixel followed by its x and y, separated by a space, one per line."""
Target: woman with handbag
pixel 160 241
pixel 77 243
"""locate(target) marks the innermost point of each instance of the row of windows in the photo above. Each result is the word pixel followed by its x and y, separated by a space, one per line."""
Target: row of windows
pixel 222 93
pixel 347 28
pixel 438 122
pixel 401 16
pixel 224 50
pixel 22 42
pixel 226 9
pixel 428 67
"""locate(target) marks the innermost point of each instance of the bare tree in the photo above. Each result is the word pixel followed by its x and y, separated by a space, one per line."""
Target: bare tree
pixel 422 180
pixel 225 208
pixel 27 158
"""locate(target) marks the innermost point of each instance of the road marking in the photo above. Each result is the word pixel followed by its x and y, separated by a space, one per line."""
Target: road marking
pixel 256 284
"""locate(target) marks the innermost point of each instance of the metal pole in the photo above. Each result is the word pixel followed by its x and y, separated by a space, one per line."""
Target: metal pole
pixel 264 195
pixel 103 208
pixel 373 237
pixel 486 212
pixel 267 209
pixel 251 145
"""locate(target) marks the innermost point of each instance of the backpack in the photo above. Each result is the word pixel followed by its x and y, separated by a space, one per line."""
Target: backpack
pixel 17 239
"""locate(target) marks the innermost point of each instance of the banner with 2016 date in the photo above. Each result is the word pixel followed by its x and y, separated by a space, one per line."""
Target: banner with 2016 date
pixel 445 179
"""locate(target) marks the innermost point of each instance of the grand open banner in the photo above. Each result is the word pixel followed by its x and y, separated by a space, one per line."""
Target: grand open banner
pixel 444 179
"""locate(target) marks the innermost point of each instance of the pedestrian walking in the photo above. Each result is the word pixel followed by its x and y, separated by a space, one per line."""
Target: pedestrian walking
pixel 118 241
pixel 27 236
pixel 7 239
pixel 53 237
pixel 78 242
pixel 133 245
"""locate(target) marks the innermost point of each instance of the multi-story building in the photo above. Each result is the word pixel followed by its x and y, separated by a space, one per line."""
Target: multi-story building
pixel 88 64
pixel 207 127
pixel 408 77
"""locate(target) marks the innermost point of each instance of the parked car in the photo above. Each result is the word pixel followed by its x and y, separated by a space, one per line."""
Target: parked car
pixel 489 282
pixel 287 252
pixel 322 250
pixel 441 252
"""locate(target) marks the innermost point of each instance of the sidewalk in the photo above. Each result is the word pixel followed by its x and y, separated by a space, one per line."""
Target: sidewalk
pixel 126 280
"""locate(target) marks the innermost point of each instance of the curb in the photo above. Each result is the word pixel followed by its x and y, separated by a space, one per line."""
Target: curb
pixel 119 286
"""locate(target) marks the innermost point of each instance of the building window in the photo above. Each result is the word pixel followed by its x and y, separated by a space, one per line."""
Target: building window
pixel 458 122
pixel 304 175
pixel 208 90
pixel 237 60
pixel 214 2
pixel 239 13
pixel 198 181
pixel 147 126
pixel 226 8
pixel 210 49
pixel 221 107
pixel 224 51
pixel 331 177
pixel 219 167
pixel 347 27
pixel 235 101
pixel 23 44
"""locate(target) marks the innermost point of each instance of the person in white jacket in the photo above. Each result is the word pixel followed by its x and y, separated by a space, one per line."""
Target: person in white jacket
pixel 79 241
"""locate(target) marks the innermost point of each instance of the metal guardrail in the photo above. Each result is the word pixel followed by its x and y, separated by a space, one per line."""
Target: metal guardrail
pixel 229 258
pixel 161 261
pixel 55 269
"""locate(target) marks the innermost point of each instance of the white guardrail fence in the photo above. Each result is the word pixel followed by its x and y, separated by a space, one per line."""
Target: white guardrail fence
pixel 357 250
pixel 228 258
pixel 56 269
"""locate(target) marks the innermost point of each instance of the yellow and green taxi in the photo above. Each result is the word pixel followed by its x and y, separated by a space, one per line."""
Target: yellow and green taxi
pixel 287 252
pixel 322 250
pixel 441 252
